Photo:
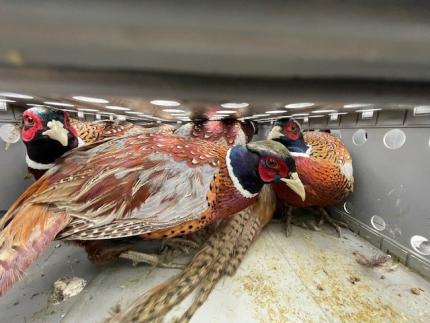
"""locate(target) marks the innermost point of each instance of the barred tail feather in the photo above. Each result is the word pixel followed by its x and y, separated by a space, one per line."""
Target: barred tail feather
pixel 204 270
pixel 220 255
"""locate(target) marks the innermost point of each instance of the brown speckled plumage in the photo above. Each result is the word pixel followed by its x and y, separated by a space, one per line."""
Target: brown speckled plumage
pixel 94 131
pixel 324 166
pixel 149 185
pixel 326 173
pixel 225 132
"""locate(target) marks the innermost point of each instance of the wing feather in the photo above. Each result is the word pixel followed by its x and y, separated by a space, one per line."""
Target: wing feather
pixel 141 182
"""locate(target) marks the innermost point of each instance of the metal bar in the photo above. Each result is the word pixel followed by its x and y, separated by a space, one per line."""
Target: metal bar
pixel 342 39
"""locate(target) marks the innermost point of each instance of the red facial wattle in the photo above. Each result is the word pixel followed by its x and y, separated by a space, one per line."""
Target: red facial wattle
pixel 292 131
pixel 293 135
pixel 29 130
pixel 271 170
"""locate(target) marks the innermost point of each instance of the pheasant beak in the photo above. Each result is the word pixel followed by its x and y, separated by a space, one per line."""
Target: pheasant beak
pixel 295 184
pixel 57 132
pixel 275 133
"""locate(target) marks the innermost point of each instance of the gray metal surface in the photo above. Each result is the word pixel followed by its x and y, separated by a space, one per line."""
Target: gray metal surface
pixel 392 184
pixel 13 168
pixel 259 92
pixel 303 278
pixel 382 39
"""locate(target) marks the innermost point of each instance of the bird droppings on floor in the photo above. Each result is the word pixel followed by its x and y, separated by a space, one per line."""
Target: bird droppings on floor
pixel 370 299
pixel 354 279
pixel 265 296
pixel 416 290
pixel 280 279
pixel 65 288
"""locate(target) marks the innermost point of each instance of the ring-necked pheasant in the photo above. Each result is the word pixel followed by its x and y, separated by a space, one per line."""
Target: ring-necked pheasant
pixel 223 252
pixel 153 186
pixel 323 164
pixel 224 132
pixel 48 133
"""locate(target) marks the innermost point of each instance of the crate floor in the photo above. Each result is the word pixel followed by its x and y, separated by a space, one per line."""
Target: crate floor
pixel 308 277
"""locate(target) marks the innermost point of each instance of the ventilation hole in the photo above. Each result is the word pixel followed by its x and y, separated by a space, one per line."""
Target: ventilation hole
pixel 394 139
pixel 347 207
pixel 378 223
pixel 359 137
pixel 421 245
pixel 9 133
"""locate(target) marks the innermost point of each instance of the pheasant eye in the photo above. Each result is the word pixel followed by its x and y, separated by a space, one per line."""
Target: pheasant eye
pixel 28 121
pixel 271 163
pixel 292 127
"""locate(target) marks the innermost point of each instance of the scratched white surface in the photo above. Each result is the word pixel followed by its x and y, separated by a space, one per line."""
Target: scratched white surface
pixel 303 278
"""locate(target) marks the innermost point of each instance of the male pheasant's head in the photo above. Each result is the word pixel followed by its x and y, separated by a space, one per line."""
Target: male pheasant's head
pixel 262 162
pixel 47 134
pixel 43 123
pixel 288 132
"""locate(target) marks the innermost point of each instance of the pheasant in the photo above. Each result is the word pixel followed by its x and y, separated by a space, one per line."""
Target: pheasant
pixel 45 130
pixel 223 132
pixel 94 131
pixel 152 186
pixel 323 164
pixel 228 132
pixel 49 133
pixel 222 253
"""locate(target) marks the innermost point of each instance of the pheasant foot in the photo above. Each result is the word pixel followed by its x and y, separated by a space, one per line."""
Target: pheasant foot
pixel 288 220
pixel 184 244
pixel 336 224
pixel 151 259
